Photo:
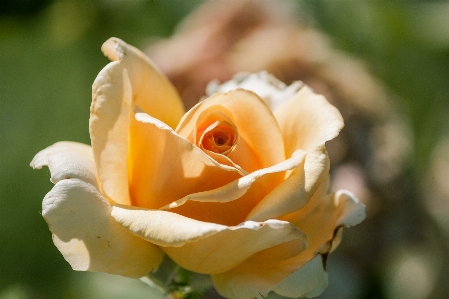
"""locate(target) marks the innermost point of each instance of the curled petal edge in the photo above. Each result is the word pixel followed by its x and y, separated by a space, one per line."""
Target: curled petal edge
pixel 296 190
pixel 239 187
pixel 202 246
pixel 67 160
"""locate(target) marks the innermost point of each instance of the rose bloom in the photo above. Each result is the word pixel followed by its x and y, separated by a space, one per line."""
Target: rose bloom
pixel 236 187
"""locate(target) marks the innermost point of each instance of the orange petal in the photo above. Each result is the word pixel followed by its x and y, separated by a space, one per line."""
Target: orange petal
pixel 307 120
pixel 131 78
pixel 164 167
pixel 295 192
pixel 231 203
pixel 257 127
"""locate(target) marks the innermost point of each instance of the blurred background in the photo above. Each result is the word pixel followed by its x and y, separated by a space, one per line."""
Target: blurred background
pixel 384 64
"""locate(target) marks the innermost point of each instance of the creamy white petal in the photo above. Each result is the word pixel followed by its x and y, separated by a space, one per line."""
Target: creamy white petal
pixel 79 218
pixel 310 280
pixel 354 212
pixel 67 160
pixel 257 275
pixel 265 85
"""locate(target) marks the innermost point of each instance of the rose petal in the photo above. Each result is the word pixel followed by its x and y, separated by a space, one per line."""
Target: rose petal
pixel 294 193
pixel 163 228
pixel 151 90
pixel 257 275
pixel 131 79
pixel 308 281
pixel 108 127
pixel 201 246
pixel 254 278
pixel 231 203
pixel 228 248
pixel 226 161
pixel 67 160
pixel 89 238
pixel 303 274
pixel 164 167
pixel 256 124
pixel 307 120
pixel 321 218
pixel 237 188
pixel 265 85
pixel 240 153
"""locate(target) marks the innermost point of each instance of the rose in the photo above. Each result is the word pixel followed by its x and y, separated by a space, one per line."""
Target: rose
pixel 235 191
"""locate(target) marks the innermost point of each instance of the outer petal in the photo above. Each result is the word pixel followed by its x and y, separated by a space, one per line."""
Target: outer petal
pixel 256 282
pixel 67 160
pixel 265 85
pixel 205 247
pixel 257 275
pixel 131 79
pixel 108 127
pixel 228 248
pixel 261 273
pixel 310 280
pixel 89 238
pixel 164 167
pixel 295 192
pixel 322 220
pixel 307 120
pixel 254 120
pixel 151 90
pixel 323 216
pixel 301 274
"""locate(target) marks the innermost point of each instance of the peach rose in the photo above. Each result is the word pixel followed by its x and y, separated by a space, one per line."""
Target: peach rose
pixel 230 188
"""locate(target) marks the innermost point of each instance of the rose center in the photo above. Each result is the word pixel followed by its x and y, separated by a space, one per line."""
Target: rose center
pixel 219 137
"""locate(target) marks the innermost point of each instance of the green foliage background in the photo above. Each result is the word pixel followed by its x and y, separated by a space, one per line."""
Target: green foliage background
pixel 50 55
